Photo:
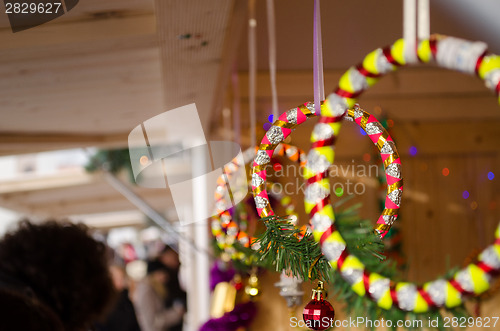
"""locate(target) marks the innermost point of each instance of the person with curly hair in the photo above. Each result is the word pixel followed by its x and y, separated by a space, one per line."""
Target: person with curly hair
pixel 53 271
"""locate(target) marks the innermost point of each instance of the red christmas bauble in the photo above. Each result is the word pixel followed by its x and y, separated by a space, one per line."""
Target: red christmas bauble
pixel 318 315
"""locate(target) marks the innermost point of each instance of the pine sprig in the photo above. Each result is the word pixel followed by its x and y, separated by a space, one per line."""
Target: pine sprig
pixel 282 248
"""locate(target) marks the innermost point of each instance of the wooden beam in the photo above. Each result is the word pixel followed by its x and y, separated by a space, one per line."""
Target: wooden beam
pixel 24 143
pixel 405 82
pixel 457 137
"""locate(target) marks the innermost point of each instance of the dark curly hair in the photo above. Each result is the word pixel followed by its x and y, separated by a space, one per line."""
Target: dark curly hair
pixel 64 267
pixel 24 313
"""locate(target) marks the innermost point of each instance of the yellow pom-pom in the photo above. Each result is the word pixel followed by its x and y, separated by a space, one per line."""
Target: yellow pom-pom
pixel 350 102
pixel 490 62
pixel 327 152
pixel 497 250
pixel 479 279
pixel 345 81
pixel 359 288
pixel 352 262
pixel 370 61
pixel 424 51
pixel 385 300
pixel 420 304
pixel 398 51
pixel 453 297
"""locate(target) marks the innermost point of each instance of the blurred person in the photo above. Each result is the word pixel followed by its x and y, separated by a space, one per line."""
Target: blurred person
pixel 55 273
pixel 149 300
pixel 122 317
pixel 175 294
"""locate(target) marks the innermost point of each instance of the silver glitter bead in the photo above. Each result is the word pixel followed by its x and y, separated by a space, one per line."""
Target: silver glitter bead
pixel 291 115
pixel 394 170
pixel 492 78
pixel 337 104
pixel 275 135
pixel 388 148
pixel 437 291
pixel 317 162
pixel 395 196
pixel 379 287
pixel 260 202
pixel 490 257
pixel 464 278
pixel 373 128
pixel 323 131
pixel 383 66
pixel 262 158
pixel 358 81
pixel 406 297
pixel 320 222
pixel 357 112
pixel 332 250
pixel 310 106
pixel 389 219
pixel 256 180
pixel 315 191
pixel 352 276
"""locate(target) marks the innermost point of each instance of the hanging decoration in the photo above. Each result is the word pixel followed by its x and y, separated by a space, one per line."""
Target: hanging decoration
pixel 318 184
pixel 318 313
pixel 229 227
pixel 447 52
pixel 229 309
pixel 290 289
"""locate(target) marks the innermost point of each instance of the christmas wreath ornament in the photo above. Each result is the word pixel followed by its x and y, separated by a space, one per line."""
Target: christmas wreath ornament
pixel 226 230
pixel 320 158
pixel 474 279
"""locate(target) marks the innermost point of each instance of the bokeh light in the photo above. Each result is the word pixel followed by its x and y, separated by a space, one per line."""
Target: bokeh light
pixel 144 160
pixel 339 191
pixel 465 194
pixel 473 205
pixel 390 123
pixel 413 150
pixel 446 172
pixel 491 175
pixel 367 157
pixel 277 167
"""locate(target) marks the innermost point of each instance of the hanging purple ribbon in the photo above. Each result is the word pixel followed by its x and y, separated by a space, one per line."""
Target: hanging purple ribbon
pixel 319 85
